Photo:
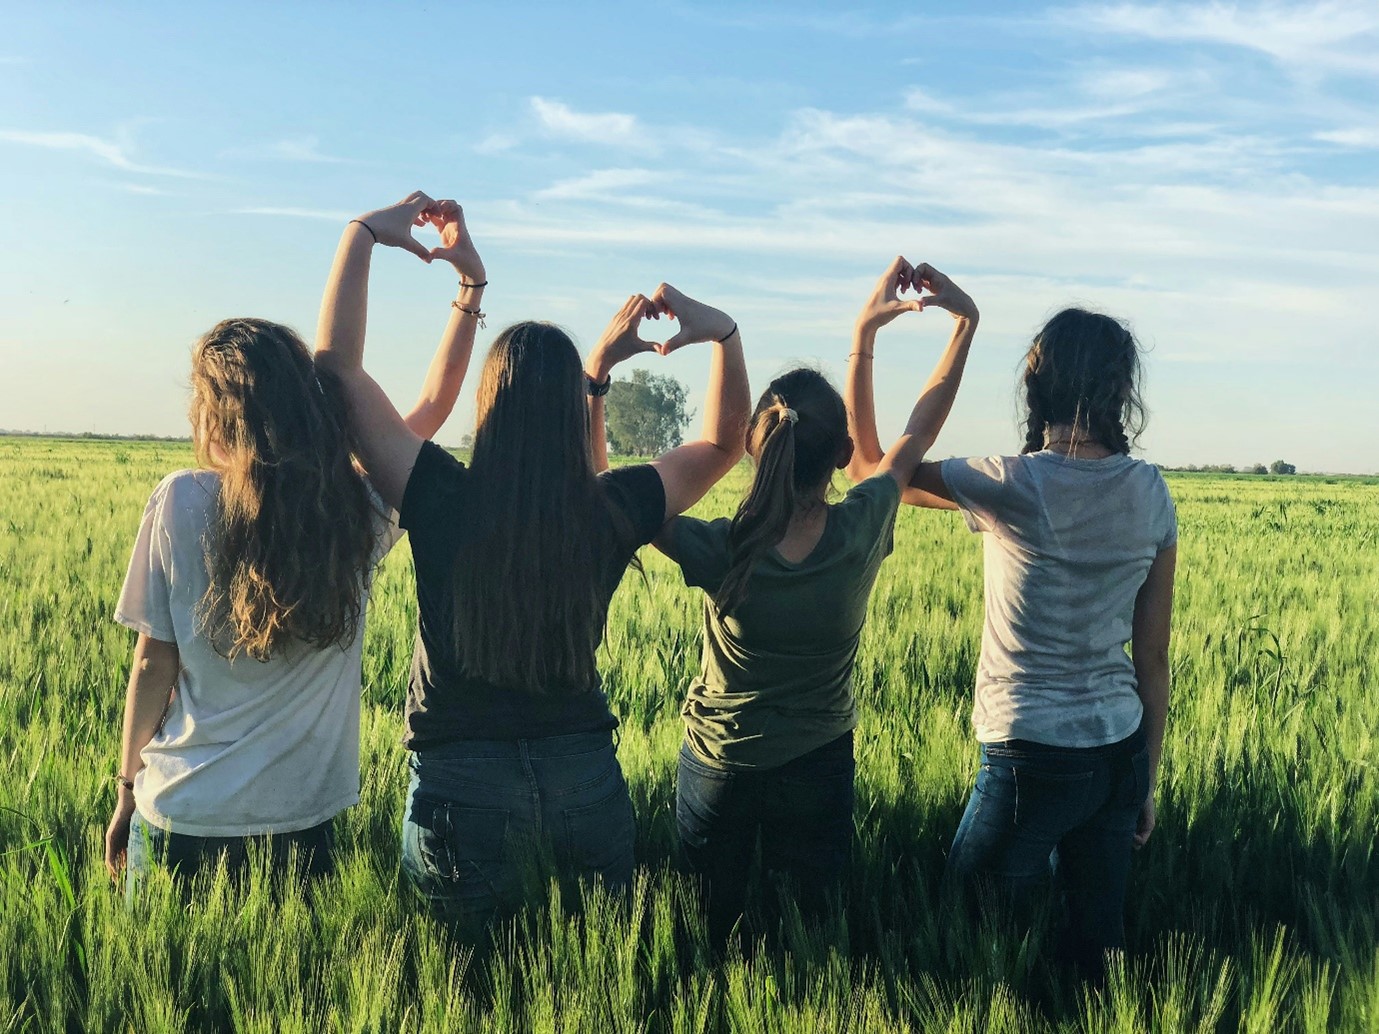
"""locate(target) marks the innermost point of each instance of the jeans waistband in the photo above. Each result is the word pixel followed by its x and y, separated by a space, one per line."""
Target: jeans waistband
pixel 539 747
pixel 1132 744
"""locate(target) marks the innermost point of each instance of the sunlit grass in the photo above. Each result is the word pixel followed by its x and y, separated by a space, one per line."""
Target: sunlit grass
pixel 1254 908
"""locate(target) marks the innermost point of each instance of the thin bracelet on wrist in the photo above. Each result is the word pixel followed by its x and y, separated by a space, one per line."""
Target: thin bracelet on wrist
pixel 477 314
pixel 482 283
pixel 864 355
pixel 366 226
pixel 128 784
pixel 727 335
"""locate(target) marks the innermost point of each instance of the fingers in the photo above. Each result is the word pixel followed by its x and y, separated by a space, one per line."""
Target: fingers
pixel 681 338
pixel 418 249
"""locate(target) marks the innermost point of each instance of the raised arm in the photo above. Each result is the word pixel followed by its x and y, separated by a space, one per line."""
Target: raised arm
pixel 883 306
pixel 445 376
pixel 388 445
pixel 688 472
pixel 1150 633
pixel 152 676
pixel 620 341
pixel 902 461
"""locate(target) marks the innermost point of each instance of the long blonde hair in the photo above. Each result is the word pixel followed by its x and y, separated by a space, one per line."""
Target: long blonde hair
pixel 293 533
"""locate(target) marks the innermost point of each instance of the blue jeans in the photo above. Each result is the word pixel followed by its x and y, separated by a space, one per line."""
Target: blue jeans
pixel 487 820
pixel 186 855
pixel 1038 810
pixel 801 810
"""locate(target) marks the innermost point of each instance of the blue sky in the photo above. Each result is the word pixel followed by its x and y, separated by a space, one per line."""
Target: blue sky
pixel 1208 171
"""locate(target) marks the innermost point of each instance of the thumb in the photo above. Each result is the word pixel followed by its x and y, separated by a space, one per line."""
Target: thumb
pixel 680 340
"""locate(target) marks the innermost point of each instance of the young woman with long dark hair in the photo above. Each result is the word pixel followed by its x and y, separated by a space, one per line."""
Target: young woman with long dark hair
pixel 517 556
pixel 768 722
pixel 1080 547
pixel 248 587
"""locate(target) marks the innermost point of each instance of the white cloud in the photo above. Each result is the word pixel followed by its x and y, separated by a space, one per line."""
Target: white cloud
pixel 305 149
pixel 107 151
pixel 1362 136
pixel 495 143
pixel 601 183
pixel 330 215
pixel 1339 35
pixel 609 128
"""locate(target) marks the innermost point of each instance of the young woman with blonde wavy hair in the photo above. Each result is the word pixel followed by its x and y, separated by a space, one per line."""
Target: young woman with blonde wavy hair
pixel 248 588
pixel 517 555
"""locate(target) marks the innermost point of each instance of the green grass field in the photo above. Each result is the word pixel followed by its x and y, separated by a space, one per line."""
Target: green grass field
pixel 1255 907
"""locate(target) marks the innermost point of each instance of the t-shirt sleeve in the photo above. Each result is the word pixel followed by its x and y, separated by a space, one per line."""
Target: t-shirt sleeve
pixel 641 496
pixel 977 485
pixel 386 529
pixel 1170 519
pixel 870 508
pixel 701 550
pixel 145 601
pixel 428 499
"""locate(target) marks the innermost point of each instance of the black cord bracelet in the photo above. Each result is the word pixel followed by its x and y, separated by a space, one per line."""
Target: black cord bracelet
pixel 367 227
pixel 728 335
pixel 463 284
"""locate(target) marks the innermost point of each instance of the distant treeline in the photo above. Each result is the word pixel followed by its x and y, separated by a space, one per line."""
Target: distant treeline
pixel 1277 467
pixel 96 436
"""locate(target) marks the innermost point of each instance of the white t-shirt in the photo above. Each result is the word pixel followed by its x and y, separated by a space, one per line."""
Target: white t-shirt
pixel 247 746
pixel 1068 544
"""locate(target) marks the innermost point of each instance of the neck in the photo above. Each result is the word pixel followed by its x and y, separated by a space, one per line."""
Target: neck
pixel 1071 440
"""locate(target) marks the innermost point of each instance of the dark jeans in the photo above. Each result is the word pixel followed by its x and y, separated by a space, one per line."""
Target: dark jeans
pixel 1038 810
pixel 150 845
pixel 801 810
pixel 487 820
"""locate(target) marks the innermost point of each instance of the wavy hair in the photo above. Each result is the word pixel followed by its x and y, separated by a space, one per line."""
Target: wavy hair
pixel 529 610
pixel 793 458
pixel 1083 369
pixel 294 529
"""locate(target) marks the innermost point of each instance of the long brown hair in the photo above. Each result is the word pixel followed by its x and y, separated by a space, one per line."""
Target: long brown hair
pixel 1083 369
pixel 797 436
pixel 294 524
pixel 528 608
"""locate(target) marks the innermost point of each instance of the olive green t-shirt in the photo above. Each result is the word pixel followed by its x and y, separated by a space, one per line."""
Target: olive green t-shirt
pixel 776 678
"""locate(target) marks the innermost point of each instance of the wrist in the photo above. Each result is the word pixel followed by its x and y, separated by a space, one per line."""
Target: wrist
pixel 470 275
pixel 599 367
pixel 359 229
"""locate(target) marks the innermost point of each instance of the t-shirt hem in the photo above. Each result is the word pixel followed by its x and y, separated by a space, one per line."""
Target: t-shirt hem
pixel 1039 734
pixel 154 817
pixel 805 746
pixel 165 635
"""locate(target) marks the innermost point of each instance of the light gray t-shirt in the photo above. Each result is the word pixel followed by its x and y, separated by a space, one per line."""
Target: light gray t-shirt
pixel 247 746
pixel 1068 544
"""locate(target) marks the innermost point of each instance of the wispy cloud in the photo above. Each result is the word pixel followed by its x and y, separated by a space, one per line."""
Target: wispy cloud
pixel 296 149
pixel 108 151
pixel 601 183
pixel 1335 35
pixel 330 215
pixel 1361 136
pixel 496 143
pixel 612 128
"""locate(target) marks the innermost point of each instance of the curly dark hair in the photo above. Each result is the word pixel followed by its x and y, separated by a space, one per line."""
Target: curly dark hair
pixel 294 527
pixel 1083 369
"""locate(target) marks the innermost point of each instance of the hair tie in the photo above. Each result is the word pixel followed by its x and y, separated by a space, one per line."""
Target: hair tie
pixel 789 415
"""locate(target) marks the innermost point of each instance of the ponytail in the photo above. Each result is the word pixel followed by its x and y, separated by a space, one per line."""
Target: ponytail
pixel 764 516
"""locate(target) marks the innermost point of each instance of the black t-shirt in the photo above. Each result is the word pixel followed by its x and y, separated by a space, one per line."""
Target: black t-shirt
pixel 444 704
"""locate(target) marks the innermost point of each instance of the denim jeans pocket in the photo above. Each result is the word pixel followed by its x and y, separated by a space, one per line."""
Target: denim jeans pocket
pixel 1049 802
pixel 459 843
pixel 599 836
pixel 1133 786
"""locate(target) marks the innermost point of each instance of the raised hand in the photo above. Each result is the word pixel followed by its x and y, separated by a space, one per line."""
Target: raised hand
pixel 698 322
pixel 457 246
pixel 621 340
pixel 393 225
pixel 885 304
pixel 944 293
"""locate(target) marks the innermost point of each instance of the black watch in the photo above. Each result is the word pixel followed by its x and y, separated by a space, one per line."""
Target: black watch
pixel 595 389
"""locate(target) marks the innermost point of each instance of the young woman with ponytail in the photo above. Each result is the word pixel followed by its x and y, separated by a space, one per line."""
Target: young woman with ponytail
pixel 248 588
pixel 1080 547
pixel 768 721
pixel 517 557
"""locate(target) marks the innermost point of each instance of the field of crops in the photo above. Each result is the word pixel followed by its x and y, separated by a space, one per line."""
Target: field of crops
pixel 1254 908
